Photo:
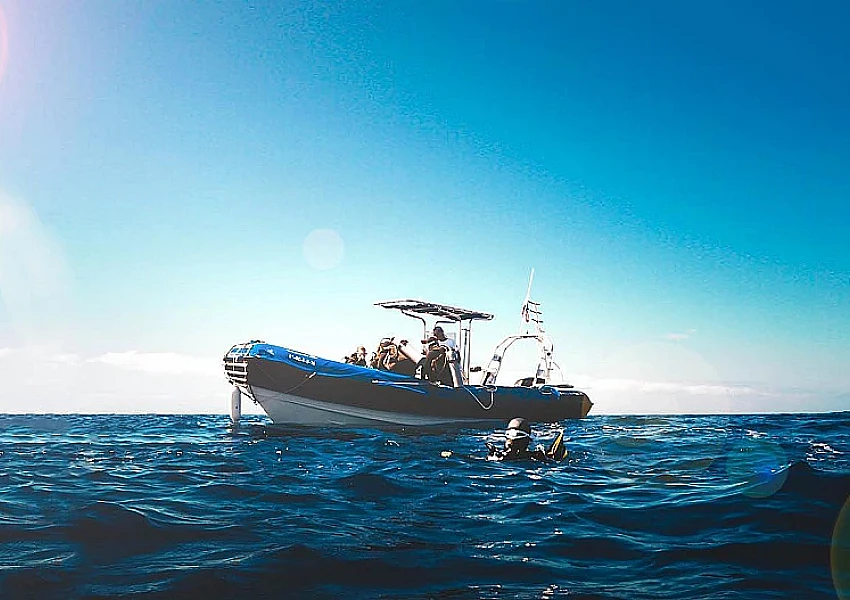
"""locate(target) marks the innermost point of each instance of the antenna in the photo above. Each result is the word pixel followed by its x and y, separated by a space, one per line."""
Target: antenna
pixel 525 314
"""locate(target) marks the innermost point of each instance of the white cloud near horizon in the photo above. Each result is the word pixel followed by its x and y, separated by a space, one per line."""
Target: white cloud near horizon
pixel 169 363
pixel 694 389
pixel 678 337
pixel 44 380
pixel 636 396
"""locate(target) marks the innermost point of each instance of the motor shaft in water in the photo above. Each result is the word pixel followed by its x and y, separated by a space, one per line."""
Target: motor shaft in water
pixel 236 405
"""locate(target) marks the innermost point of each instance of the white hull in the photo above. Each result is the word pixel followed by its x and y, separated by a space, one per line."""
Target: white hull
pixel 297 410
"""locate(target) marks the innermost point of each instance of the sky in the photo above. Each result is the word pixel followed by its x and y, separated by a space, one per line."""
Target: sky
pixel 176 178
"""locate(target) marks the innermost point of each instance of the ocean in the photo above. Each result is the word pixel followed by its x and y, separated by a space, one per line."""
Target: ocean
pixel 155 507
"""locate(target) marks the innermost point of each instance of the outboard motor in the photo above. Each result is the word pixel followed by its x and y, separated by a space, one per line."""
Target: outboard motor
pixel 236 405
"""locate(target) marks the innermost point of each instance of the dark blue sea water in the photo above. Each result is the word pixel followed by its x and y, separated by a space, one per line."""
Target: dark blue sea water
pixel 644 507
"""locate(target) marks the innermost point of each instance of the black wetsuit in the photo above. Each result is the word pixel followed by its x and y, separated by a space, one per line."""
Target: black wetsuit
pixel 515 453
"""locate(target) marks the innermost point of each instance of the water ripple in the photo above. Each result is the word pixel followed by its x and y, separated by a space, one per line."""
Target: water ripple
pixel 155 507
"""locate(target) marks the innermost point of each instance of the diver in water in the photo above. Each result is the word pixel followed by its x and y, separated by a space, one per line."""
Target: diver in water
pixel 517 441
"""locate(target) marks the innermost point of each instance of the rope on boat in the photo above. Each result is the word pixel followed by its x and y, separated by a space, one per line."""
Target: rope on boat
pixel 306 379
pixel 249 391
pixel 489 388
pixel 293 388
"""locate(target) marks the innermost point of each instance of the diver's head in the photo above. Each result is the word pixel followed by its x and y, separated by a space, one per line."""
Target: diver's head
pixel 518 434
pixel 439 333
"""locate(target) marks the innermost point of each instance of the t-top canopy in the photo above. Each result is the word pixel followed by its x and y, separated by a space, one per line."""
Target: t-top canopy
pixel 443 311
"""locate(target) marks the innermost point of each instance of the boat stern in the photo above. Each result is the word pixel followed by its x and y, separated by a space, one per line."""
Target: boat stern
pixel 586 405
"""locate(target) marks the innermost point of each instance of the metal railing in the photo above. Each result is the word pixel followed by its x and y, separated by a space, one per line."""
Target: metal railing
pixel 236 363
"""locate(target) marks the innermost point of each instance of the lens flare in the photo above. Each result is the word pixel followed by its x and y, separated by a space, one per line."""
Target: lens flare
pixel 323 249
pixel 34 273
pixel 759 466
pixel 633 445
pixel 4 44
pixel 839 554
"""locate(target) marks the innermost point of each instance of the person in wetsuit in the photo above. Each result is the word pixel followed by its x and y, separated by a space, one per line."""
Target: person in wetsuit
pixel 517 441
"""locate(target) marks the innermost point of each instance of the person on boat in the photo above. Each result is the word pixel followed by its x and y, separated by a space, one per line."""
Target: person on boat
pixel 358 357
pixel 517 442
pixel 437 345
pixel 385 356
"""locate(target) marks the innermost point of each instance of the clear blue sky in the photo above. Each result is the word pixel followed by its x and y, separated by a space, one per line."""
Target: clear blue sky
pixel 676 172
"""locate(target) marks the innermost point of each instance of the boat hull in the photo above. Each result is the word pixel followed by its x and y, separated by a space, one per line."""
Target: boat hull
pixel 300 389
pixel 287 409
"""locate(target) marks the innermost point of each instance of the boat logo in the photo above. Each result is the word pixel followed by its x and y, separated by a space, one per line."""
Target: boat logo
pixel 302 359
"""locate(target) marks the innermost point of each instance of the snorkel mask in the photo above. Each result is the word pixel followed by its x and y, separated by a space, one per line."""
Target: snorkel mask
pixel 517 438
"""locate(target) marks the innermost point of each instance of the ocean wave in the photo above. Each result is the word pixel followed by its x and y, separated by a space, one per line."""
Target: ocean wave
pixel 644 507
